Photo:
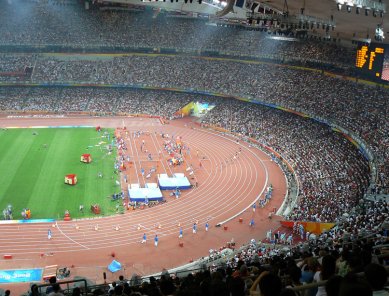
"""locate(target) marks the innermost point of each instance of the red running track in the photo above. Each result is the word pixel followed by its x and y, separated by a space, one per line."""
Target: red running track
pixel 224 190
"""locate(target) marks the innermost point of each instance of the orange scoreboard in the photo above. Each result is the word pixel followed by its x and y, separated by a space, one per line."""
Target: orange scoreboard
pixel 370 59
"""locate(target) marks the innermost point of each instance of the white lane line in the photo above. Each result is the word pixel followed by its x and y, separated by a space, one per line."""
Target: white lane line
pixel 156 148
pixel 263 189
pixel 133 157
pixel 69 238
pixel 140 164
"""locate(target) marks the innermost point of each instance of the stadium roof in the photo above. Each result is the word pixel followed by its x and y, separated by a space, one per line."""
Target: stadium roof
pixel 348 25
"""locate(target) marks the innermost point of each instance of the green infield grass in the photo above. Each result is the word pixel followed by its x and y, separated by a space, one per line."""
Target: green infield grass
pixel 33 165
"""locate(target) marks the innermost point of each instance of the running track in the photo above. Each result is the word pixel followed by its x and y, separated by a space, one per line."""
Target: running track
pixel 224 190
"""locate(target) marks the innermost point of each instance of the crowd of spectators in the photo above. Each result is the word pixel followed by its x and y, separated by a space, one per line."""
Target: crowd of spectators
pixel 48 22
pixel 368 220
pixel 93 100
pixel 14 63
pixel 15 67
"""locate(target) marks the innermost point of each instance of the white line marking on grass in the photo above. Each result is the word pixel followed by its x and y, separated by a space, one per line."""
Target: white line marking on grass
pixel 69 238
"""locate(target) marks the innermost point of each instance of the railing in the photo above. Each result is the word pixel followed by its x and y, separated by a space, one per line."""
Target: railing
pixel 183 272
pixel 83 287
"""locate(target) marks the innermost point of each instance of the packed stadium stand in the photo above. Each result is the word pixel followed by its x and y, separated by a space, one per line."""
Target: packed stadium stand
pixel 55 56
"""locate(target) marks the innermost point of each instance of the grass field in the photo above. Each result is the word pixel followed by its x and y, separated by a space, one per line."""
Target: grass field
pixel 32 175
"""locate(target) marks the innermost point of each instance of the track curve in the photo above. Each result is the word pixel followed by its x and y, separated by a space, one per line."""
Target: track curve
pixel 226 187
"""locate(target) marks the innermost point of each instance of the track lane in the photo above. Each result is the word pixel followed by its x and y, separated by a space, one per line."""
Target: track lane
pixel 222 192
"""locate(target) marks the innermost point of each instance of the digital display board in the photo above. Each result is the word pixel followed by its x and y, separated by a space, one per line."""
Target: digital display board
pixel 370 59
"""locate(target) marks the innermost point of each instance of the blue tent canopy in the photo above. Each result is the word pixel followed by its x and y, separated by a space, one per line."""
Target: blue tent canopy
pixel 114 266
